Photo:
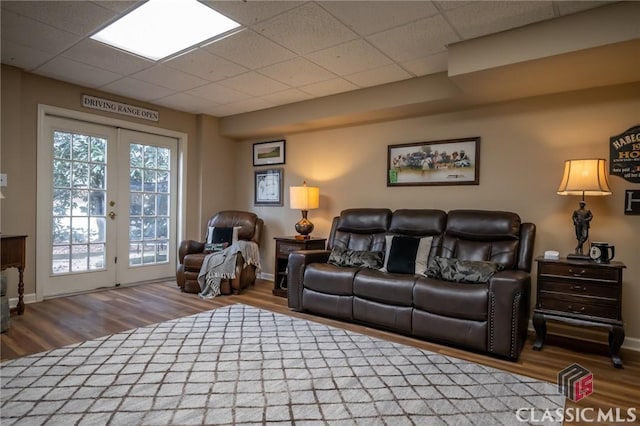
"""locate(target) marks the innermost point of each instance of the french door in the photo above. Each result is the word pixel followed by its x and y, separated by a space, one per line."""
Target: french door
pixel 106 206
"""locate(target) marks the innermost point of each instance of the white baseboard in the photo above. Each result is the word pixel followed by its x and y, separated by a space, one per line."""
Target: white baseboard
pixel 28 298
pixel 564 330
pixel 265 276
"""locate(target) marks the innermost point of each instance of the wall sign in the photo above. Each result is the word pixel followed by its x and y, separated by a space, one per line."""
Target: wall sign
pixel 624 155
pixel 119 108
pixel 632 202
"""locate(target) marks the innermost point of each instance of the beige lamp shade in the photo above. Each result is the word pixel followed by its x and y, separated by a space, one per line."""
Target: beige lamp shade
pixel 304 197
pixel 585 177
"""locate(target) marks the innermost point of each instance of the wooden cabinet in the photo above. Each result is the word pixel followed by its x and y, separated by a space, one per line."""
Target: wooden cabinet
pixel 581 293
pixel 284 246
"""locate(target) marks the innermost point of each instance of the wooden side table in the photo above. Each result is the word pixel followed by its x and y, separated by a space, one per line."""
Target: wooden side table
pixel 284 246
pixel 581 293
pixel 13 254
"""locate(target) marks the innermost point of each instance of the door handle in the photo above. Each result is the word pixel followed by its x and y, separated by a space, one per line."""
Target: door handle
pixel 112 215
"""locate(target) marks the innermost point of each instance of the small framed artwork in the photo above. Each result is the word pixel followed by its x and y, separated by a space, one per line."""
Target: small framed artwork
pixel 268 153
pixel 268 187
pixel 446 162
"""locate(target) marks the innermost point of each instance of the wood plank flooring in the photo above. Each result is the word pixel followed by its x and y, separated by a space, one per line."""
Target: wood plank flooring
pixel 66 320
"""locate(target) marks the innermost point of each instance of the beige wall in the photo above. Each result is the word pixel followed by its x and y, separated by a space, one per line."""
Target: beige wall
pixel 523 148
pixel 21 94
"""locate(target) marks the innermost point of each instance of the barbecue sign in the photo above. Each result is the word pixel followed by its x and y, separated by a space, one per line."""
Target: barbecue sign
pixel 624 155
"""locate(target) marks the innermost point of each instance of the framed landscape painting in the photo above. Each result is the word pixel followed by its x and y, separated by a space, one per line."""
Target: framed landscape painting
pixel 268 153
pixel 268 187
pixel 447 162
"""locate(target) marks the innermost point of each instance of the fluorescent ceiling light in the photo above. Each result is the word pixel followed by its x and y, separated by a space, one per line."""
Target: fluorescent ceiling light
pixel 160 28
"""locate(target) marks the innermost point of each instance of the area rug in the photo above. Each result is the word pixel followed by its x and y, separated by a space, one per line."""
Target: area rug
pixel 241 365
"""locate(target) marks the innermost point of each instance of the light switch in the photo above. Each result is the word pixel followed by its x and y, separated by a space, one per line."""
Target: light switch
pixel 3 179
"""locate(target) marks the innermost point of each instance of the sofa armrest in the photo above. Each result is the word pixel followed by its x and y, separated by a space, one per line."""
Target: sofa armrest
pixel 189 247
pixel 298 261
pixel 509 295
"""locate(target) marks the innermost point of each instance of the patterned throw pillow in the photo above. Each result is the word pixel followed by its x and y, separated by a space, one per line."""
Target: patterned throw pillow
pixel 363 259
pixel 465 271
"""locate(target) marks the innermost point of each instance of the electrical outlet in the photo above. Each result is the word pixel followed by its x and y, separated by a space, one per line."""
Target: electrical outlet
pixel 3 179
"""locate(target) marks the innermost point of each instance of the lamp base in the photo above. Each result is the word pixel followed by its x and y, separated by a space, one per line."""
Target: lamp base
pixel 302 237
pixel 304 226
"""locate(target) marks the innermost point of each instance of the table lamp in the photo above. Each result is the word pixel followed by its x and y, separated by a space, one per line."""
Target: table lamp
pixel 583 177
pixel 304 198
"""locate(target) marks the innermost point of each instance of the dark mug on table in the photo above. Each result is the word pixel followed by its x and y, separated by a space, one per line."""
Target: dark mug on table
pixel 602 252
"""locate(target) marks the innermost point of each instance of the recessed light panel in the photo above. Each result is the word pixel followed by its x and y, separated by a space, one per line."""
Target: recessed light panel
pixel 161 28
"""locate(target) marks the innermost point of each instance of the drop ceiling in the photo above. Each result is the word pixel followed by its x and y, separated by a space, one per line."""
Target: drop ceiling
pixel 287 51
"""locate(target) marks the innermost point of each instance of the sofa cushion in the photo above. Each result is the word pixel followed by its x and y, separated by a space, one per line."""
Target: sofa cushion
pixel 467 271
pixel 406 255
pixel 359 258
pixel 392 289
pixel 451 299
pixel 327 278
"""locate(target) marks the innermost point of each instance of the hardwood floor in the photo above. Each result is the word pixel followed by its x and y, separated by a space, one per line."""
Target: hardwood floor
pixel 66 320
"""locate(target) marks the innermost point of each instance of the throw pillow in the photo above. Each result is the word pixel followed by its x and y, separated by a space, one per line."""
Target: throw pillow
pixel 221 234
pixel 408 255
pixel 466 271
pixel 357 258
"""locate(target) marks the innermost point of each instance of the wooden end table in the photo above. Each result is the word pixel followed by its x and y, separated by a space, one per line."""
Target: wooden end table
pixel 284 246
pixel 13 254
pixel 583 293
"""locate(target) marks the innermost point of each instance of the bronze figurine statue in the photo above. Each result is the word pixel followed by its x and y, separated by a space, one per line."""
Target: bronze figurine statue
pixel 581 219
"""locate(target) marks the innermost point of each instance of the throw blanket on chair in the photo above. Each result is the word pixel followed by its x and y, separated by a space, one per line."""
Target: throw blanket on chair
pixel 222 265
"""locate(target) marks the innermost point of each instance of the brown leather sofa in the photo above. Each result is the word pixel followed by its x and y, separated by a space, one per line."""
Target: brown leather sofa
pixel 191 253
pixel 489 317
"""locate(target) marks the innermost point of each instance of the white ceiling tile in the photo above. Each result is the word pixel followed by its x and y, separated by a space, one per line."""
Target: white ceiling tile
pixel 252 12
pixel 382 75
pixel 306 29
pixel 75 72
pixel 33 34
pixel 569 7
pixel 297 72
pixel 185 102
pixel 239 107
pixel 81 19
pixel 205 65
pixel 415 40
pixel 22 56
pixel 329 87
pixel 482 18
pixel 253 84
pixel 288 96
pixel 368 17
pixel 218 93
pixel 427 65
pixel 119 6
pixel 348 58
pixel 102 56
pixel 250 49
pixel 137 89
pixel 170 78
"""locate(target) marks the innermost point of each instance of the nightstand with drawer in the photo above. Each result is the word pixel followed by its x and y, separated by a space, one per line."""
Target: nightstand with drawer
pixel 580 292
pixel 284 246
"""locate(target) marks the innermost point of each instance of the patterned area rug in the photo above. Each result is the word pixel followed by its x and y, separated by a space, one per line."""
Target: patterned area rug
pixel 241 365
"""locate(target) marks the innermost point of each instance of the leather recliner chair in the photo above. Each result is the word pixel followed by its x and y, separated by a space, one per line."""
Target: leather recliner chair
pixel 191 253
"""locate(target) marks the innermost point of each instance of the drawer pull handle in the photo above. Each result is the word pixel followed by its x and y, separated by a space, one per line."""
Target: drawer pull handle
pixel 578 288
pixel 576 273
pixel 575 311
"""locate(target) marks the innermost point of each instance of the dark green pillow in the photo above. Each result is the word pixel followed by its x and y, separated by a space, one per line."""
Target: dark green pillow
pixel 356 258
pixel 465 271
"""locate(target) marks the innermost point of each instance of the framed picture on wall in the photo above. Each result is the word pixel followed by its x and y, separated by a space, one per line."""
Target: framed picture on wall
pixel 446 162
pixel 268 187
pixel 267 153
